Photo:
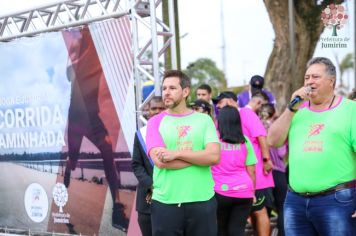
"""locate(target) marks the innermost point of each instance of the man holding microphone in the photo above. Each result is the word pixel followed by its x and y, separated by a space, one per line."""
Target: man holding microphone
pixel 321 131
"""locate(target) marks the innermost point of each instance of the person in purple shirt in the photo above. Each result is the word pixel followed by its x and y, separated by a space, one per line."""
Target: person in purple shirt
pixel 256 84
pixel 267 115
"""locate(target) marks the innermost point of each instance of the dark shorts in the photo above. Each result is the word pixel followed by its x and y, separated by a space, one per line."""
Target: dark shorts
pixel 264 198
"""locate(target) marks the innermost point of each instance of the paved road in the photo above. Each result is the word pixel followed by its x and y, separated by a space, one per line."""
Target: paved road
pixel 14 181
pixel 89 204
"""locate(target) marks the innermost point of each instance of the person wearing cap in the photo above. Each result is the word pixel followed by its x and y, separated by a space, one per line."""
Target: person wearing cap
pixel 226 98
pixel 256 84
pixel 253 128
pixel 183 144
pixel 201 106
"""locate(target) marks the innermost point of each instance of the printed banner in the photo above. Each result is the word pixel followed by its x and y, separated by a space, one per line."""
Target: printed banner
pixel 67 121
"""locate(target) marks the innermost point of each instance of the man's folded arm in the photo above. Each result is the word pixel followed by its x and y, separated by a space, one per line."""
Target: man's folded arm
pixel 207 157
pixel 174 164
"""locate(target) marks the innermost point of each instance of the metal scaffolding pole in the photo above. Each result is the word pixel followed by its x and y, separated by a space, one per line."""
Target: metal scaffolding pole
pixel 148 68
pixel 57 16
pixel 172 31
pixel 154 41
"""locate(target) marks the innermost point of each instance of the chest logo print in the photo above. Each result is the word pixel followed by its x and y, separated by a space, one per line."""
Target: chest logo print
pixel 183 130
pixel 315 129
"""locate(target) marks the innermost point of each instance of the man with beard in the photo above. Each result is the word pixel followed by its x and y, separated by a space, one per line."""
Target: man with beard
pixel 183 144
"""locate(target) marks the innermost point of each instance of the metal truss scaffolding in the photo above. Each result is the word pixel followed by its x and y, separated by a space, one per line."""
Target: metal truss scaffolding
pixel 57 16
pixel 147 56
pixel 147 48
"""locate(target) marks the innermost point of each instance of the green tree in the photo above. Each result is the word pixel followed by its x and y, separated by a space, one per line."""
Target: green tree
pixel 346 64
pixel 307 28
pixel 204 70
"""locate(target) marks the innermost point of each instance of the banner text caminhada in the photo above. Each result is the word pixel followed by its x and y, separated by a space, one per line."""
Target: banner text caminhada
pixel 33 139
pixel 42 116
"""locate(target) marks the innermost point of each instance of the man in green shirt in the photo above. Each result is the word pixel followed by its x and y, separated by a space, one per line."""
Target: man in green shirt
pixel 183 144
pixel 321 133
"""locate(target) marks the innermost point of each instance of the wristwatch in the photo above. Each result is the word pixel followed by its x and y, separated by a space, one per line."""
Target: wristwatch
pixel 265 159
pixel 290 107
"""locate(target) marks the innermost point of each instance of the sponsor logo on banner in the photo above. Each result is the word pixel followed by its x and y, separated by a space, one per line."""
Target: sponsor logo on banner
pixel 334 17
pixel 36 202
pixel 60 198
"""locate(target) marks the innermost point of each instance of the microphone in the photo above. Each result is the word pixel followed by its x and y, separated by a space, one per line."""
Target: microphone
pixel 297 98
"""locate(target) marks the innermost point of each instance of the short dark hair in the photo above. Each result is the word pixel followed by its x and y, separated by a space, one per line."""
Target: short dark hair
pixel 266 111
pixel 184 80
pixel 229 125
pixel 260 94
pixel 155 99
pixel 205 87
pixel 352 95
pixel 330 68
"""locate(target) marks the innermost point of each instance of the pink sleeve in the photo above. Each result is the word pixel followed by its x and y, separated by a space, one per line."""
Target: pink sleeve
pixel 153 137
pixel 251 124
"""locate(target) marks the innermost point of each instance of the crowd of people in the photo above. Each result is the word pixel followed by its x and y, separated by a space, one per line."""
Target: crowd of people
pixel 211 166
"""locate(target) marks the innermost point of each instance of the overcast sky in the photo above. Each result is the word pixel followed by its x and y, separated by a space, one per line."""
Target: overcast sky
pixel 248 34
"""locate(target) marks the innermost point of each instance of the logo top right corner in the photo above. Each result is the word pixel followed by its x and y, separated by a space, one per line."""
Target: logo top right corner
pixel 334 16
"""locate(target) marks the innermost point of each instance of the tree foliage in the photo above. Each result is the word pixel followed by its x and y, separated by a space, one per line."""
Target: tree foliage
pixel 308 27
pixel 204 70
pixel 346 64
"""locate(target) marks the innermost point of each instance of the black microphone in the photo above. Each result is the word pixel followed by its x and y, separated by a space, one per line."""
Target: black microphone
pixel 297 98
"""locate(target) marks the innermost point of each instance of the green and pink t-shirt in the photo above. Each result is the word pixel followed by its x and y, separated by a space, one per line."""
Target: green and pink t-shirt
pixel 322 146
pixel 181 132
pixel 230 175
